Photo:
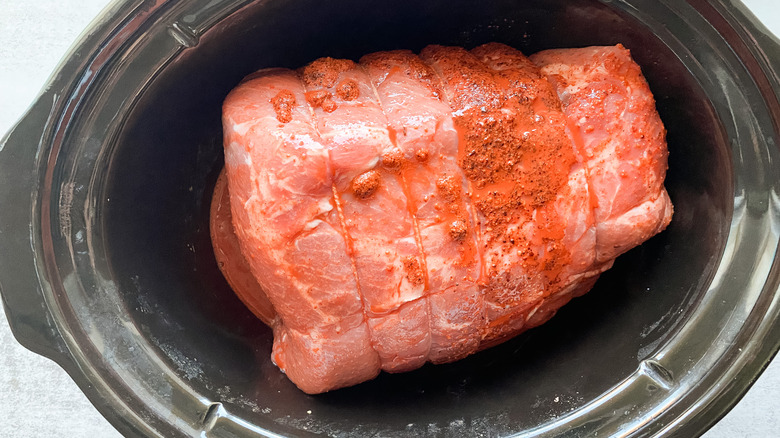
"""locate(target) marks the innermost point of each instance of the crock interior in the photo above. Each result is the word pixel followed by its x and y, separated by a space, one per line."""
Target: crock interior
pixel 165 161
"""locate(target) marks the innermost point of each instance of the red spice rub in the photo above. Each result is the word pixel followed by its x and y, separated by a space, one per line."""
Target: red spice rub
pixel 283 103
pixel 365 184
pixel 347 90
pixel 324 72
pixel 414 271
pixel 458 230
pixel 449 187
pixel 393 159
pixel 321 98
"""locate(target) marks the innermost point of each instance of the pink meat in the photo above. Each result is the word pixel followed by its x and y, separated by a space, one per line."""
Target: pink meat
pixel 371 197
pixel 285 217
pixel 427 163
pixel 615 129
pixel 411 208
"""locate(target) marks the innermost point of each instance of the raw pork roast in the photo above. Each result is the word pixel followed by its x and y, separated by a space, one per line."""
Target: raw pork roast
pixel 420 208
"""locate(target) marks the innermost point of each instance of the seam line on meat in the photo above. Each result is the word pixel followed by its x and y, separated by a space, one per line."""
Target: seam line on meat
pixel 470 207
pixel 412 212
pixel 503 95
pixel 342 223
pixel 507 94
pixel 575 135
pixel 404 182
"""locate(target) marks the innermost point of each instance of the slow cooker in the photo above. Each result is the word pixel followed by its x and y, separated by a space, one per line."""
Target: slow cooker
pixel 106 264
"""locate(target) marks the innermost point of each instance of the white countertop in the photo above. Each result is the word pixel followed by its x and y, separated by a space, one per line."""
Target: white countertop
pixel 37 398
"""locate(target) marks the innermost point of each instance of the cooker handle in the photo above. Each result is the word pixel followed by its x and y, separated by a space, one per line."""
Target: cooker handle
pixel 21 282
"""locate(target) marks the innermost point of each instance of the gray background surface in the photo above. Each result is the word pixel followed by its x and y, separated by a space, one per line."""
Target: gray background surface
pixel 37 398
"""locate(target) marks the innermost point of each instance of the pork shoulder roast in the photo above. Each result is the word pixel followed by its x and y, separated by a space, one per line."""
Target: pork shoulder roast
pixel 411 208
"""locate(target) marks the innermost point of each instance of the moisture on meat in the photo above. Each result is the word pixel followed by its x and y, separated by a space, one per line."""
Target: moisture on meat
pixel 409 208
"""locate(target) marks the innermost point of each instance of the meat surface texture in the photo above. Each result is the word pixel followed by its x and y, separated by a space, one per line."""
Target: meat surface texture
pixel 409 208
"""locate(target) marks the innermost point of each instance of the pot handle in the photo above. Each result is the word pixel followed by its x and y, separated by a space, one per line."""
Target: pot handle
pixel 21 283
